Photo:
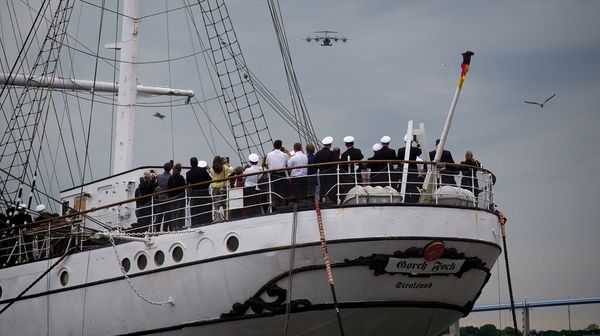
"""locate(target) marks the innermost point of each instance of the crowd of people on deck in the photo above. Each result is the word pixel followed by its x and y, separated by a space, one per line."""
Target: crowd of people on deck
pixel 291 179
pixel 161 201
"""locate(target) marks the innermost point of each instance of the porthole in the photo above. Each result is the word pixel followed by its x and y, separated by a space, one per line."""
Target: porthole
pixel 0 291
pixel 126 265
pixel 64 277
pixel 232 243
pixel 159 258
pixel 177 254
pixel 142 262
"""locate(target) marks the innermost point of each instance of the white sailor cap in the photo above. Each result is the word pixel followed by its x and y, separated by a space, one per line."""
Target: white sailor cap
pixel 40 208
pixel 327 140
pixel 253 158
pixel 385 139
pixel 22 206
pixel 202 164
pixel 377 147
pixel 348 139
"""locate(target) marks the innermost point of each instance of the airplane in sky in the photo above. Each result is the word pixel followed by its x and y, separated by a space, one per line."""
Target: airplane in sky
pixel 326 37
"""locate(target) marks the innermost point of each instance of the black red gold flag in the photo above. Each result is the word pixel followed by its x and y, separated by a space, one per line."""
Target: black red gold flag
pixel 464 67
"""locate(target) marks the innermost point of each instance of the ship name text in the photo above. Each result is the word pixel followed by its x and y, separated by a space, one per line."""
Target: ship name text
pixel 420 266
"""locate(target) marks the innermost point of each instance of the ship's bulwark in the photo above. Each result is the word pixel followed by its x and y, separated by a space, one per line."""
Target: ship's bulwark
pixel 245 292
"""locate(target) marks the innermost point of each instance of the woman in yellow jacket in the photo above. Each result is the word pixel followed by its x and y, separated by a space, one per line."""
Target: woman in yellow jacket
pixel 220 170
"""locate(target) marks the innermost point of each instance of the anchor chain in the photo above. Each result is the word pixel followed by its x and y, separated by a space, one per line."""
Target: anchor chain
pixel 170 300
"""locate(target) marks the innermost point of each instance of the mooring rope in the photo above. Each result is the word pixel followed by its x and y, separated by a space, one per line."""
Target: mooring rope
pixel 502 219
pixel 328 264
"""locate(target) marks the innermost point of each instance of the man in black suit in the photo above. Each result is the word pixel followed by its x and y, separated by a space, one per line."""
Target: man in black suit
pixel 385 153
pixel 412 180
pixel 350 154
pixel 448 172
pixel 325 154
pixel 200 198
pixel 327 178
pixel 412 156
pixel 381 177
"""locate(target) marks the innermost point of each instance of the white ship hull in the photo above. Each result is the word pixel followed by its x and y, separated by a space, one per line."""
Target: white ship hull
pixel 209 280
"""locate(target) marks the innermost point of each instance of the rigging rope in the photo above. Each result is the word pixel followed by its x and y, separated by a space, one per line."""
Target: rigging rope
pixel 328 264
pixel 502 219
pixel 291 269
pixel 298 103
pixel 244 113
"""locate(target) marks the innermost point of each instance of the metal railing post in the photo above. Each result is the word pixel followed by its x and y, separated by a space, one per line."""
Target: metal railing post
pixel 338 184
pixel 270 193
pixel 389 169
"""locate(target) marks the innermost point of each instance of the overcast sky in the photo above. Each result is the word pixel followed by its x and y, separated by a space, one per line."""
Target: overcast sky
pixel 393 70
pixel 546 159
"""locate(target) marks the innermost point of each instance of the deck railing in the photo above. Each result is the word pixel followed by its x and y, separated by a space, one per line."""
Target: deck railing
pixel 339 184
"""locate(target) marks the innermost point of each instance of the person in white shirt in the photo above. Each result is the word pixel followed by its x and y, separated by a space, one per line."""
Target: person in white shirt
pixel 299 182
pixel 252 193
pixel 277 159
pixel 298 159
pixel 252 180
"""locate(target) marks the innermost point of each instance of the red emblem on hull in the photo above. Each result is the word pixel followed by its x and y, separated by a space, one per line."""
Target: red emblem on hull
pixel 434 251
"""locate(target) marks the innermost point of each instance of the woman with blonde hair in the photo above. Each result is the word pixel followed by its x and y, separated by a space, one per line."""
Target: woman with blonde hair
pixel 219 171
pixel 469 175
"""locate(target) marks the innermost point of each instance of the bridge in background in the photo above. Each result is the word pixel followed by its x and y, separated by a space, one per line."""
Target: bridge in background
pixel 525 306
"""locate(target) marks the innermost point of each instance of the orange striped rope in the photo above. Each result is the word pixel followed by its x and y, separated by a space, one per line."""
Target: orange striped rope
pixel 323 243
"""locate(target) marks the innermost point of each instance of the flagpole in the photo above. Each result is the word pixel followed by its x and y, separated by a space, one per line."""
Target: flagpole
pixel 438 153
pixel 464 69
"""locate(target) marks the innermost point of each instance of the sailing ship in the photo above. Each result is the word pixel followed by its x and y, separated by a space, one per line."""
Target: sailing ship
pixel 395 252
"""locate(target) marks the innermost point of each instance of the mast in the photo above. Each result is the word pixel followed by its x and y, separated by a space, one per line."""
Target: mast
pixel 128 78
pixel 464 69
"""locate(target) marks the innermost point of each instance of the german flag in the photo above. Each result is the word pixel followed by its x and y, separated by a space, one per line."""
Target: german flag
pixel 464 67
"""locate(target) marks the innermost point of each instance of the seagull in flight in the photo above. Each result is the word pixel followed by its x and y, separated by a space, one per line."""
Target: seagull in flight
pixel 159 116
pixel 540 104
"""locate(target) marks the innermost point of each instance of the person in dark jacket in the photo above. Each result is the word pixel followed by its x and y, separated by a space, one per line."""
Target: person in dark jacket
pixel 147 186
pixel 469 175
pixel 351 153
pixel 312 171
pixel 379 171
pixel 161 205
pixel 177 198
pixel 327 176
pixel 412 178
pixel 448 172
pixel 325 154
pixel 200 198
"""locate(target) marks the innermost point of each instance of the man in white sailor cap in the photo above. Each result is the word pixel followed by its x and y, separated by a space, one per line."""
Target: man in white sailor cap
pixel 351 153
pixel 42 213
pixel 252 197
pixel 386 153
pixel 326 173
pixel 21 217
pixel 325 154
pixel 375 167
pixel 252 181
